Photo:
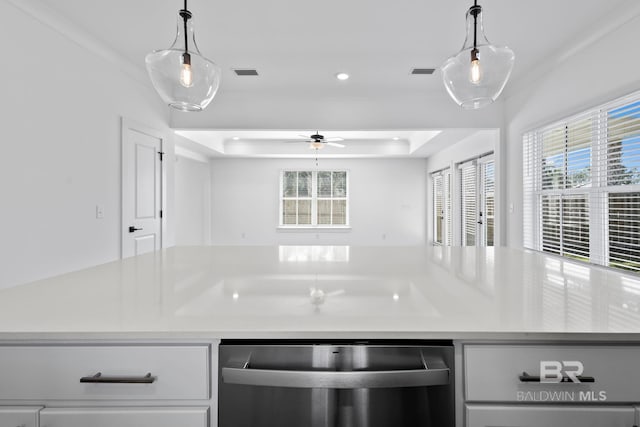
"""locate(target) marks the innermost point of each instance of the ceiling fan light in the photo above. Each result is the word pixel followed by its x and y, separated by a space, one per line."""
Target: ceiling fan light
pixel 476 75
pixel 316 145
pixel 183 78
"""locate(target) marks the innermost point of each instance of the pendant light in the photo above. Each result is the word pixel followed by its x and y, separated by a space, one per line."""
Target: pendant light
pixel 183 78
pixel 476 75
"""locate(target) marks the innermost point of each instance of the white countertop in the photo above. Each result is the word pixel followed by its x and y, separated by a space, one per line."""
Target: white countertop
pixel 329 292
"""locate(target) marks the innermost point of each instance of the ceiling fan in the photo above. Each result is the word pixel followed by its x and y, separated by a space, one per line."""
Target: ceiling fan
pixel 317 141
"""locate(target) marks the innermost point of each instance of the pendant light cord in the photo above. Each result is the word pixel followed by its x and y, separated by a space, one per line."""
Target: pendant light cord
pixel 475 22
pixel 185 18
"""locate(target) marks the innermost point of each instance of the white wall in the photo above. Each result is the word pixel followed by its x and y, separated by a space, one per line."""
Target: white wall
pixel 387 202
pixel 603 71
pixel 61 110
pixel 482 142
pixel 192 200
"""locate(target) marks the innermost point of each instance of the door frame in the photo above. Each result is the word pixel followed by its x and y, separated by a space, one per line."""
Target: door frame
pixel 127 124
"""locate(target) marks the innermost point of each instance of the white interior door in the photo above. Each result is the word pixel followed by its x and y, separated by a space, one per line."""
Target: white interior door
pixel 141 189
pixel 477 201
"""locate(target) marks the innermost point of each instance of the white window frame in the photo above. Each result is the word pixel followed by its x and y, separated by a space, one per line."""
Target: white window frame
pixel 597 194
pixel 314 202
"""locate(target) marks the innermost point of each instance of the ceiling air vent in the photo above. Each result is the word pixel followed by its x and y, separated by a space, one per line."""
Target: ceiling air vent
pixel 245 71
pixel 422 71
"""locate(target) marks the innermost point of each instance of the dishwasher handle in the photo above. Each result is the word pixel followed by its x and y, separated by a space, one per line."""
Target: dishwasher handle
pixel 335 379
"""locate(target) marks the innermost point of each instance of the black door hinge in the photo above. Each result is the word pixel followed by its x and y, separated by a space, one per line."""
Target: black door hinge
pixel 161 155
pixel 160 213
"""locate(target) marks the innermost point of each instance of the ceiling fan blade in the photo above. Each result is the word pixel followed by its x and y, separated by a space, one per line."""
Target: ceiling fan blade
pixel 334 139
pixel 296 140
pixel 335 144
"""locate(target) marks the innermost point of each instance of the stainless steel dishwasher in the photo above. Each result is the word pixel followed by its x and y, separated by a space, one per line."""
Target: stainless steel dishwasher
pixel 335 384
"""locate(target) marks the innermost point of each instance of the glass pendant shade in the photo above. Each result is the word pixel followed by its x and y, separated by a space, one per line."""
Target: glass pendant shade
pixel 476 75
pixel 183 78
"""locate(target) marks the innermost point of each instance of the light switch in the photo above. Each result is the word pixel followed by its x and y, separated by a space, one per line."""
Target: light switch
pixel 99 211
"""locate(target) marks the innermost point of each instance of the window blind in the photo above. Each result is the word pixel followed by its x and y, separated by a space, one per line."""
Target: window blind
pixel 469 203
pixel 441 181
pixel 581 186
pixel 438 206
pixel 447 208
pixel 488 194
pixel 624 230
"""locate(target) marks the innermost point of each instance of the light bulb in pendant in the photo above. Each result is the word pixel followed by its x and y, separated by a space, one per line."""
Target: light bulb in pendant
pixel 186 75
pixel 475 74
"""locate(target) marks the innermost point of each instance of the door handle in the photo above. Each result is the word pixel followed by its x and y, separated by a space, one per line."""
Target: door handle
pixel 336 379
pixel 98 378
pixel 526 378
pixel 132 229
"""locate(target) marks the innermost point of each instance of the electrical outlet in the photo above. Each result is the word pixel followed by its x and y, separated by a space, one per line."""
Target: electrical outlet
pixel 99 211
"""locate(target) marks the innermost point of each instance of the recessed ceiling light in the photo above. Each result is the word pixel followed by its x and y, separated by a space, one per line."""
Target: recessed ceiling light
pixel 342 76
pixel 395 138
pixel 235 138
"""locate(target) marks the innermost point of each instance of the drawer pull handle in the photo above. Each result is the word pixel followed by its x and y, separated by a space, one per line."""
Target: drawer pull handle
pixel 98 378
pixel 526 378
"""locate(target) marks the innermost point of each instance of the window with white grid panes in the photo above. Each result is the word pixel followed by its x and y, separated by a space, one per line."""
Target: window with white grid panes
pixel 314 199
pixel 582 186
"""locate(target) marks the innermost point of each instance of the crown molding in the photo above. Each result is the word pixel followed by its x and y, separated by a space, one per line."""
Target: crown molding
pixel 586 38
pixel 44 14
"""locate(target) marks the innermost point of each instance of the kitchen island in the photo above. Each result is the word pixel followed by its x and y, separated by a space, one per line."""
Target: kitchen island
pixel 500 307
pixel 321 291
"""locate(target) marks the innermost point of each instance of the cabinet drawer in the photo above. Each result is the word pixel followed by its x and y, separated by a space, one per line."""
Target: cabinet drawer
pixel 124 417
pixel 492 373
pixel 548 416
pixel 54 372
pixel 19 416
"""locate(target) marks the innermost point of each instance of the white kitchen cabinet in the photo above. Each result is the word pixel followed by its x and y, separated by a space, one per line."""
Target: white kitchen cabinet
pixel 43 372
pixel 124 417
pixel 19 416
pixel 107 385
pixel 585 385
pixel 479 415
pixel 492 372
